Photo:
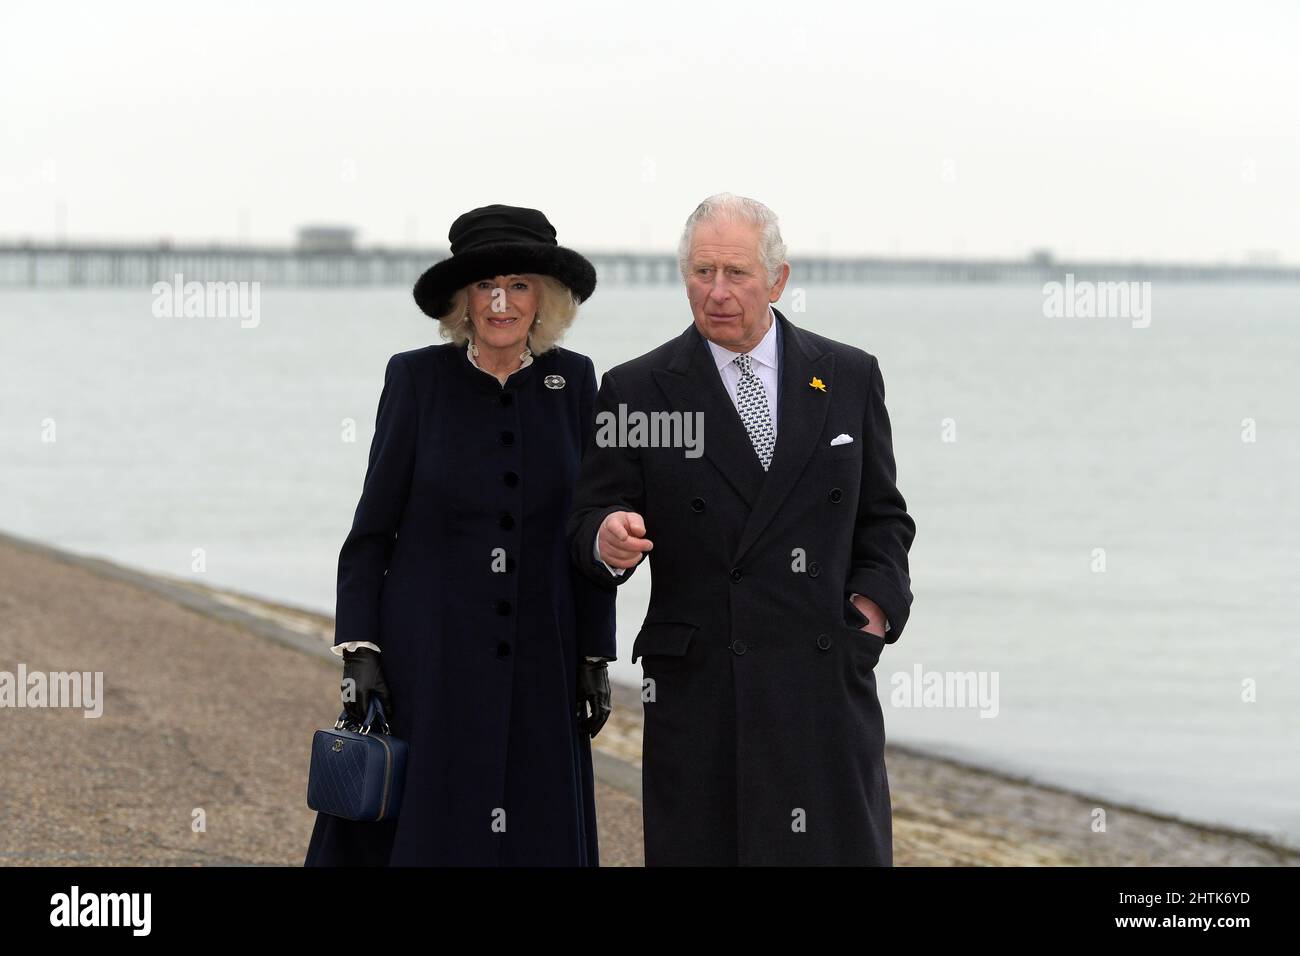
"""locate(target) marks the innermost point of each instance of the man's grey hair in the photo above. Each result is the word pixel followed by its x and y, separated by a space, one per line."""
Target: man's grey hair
pixel 726 206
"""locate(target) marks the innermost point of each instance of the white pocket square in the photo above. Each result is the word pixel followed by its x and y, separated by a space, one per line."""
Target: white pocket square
pixel 841 439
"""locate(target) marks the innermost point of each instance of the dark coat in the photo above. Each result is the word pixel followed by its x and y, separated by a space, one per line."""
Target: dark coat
pixel 481 664
pixel 764 713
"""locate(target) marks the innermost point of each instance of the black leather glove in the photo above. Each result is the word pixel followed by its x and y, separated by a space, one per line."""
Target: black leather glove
pixel 593 693
pixel 362 667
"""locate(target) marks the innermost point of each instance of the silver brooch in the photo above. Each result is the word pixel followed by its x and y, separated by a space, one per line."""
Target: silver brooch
pixel 553 381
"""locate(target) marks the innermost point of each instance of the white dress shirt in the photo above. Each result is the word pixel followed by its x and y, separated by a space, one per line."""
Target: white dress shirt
pixel 765 365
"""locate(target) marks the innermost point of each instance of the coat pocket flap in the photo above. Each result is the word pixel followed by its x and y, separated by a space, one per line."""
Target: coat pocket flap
pixel 663 637
pixel 852 616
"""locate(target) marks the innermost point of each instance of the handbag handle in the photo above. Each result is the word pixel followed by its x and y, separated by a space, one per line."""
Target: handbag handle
pixel 373 712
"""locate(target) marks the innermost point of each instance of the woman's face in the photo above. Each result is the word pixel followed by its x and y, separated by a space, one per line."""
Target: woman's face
pixel 502 310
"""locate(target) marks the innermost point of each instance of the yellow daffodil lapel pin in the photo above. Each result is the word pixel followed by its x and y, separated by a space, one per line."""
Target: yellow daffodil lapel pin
pixel 817 384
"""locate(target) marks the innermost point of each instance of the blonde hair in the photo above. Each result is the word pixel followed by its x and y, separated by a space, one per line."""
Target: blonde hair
pixel 555 303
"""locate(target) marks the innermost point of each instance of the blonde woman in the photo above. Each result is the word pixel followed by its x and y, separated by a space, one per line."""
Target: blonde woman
pixel 457 602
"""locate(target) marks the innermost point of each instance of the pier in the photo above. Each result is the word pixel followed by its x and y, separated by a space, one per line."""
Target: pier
pixel 63 265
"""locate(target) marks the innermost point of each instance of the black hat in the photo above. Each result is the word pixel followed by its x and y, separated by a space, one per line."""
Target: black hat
pixel 501 240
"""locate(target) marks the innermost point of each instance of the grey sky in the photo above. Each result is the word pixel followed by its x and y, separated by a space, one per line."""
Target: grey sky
pixel 1159 130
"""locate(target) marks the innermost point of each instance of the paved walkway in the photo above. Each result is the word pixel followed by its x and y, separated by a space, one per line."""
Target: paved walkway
pixel 185 666
pixel 176 735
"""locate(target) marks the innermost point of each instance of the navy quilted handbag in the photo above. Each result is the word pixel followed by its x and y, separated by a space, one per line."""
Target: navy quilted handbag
pixel 357 774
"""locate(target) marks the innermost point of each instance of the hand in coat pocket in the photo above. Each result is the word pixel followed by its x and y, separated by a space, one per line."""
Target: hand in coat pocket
pixel 866 615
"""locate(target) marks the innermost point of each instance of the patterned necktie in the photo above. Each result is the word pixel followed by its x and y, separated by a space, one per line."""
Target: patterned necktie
pixel 751 401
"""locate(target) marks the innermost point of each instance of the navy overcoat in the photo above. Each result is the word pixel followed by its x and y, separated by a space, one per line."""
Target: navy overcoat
pixel 764 739
pixel 457 567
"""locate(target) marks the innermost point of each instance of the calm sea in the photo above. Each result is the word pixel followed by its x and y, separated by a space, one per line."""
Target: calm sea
pixel 1029 449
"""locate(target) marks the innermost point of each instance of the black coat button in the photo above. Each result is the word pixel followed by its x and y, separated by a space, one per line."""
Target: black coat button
pixel 510 564
pixel 736 574
pixel 814 569
pixel 836 495
pixel 507 521
pixel 738 647
pixel 823 642
pixel 507 438
pixel 503 649
pixel 506 399
pixel 697 505
pixel 503 607
pixel 510 478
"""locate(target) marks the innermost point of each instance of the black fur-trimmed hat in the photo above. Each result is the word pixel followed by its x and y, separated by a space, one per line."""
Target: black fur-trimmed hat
pixel 501 240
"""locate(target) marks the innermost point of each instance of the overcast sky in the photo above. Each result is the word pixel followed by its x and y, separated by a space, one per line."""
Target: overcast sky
pixel 1159 130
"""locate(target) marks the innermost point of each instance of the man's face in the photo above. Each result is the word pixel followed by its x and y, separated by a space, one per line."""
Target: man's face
pixel 727 285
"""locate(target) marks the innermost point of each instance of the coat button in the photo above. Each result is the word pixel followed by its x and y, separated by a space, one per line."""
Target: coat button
pixel 503 607
pixel 507 438
pixel 835 495
pixel 697 505
pixel 510 478
pixel 823 642
pixel 503 649
pixel 506 399
pixel 507 521
pixel 814 569
pixel 736 574
pixel 510 564
pixel 738 647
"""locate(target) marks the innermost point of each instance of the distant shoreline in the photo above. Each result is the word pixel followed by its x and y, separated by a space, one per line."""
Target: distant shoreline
pixel 946 812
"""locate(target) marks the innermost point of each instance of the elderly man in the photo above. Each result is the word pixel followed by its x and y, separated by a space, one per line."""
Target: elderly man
pixel 779 563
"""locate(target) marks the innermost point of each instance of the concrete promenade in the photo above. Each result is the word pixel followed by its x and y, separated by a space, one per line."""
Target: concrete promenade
pixel 211 699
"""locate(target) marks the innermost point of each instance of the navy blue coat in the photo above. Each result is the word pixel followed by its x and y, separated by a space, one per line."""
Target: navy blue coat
pixel 764 740
pixel 480 647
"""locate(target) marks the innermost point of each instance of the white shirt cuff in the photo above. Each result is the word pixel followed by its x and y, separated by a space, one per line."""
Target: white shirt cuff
pixel 338 649
pixel 617 572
